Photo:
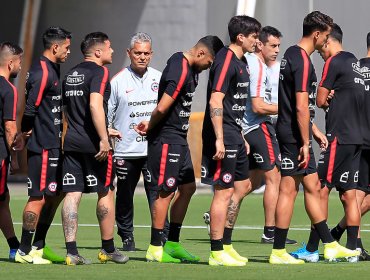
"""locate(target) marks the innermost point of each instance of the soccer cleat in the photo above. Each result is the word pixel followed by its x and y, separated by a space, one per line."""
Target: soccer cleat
pixel 157 254
pixel 229 249
pixel 364 255
pixel 33 257
pixel 334 252
pixel 177 251
pixel 12 253
pixel 270 240
pixel 207 221
pixel 49 254
pixel 280 256
pixel 115 256
pixel 129 244
pixel 221 258
pixel 305 255
pixel 76 260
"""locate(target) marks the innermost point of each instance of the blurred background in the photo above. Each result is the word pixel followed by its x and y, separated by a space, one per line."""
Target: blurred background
pixel 174 25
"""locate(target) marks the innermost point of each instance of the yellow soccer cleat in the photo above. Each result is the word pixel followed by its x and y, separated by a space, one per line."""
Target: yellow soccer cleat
pixel 229 249
pixel 221 258
pixel 157 254
pixel 280 256
pixel 33 257
pixel 334 252
pixel 116 256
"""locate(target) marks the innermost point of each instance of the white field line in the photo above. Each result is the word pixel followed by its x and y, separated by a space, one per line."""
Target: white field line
pixel 301 228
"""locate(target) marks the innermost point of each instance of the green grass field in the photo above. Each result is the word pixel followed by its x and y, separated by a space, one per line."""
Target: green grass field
pixel 194 236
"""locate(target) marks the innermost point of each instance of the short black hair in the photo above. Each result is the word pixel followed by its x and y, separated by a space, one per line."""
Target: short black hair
pixel 368 40
pixel 336 33
pixel 91 40
pixel 12 48
pixel 53 35
pixel 268 31
pixel 316 21
pixel 213 44
pixel 242 25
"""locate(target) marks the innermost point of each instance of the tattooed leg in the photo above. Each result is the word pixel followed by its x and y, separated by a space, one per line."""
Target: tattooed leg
pixel 70 215
pixel 240 191
pixel 105 214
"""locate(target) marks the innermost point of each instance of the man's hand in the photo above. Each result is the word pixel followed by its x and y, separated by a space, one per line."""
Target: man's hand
pixel 220 150
pixel 321 139
pixel 19 142
pixel 304 156
pixel 142 127
pixel 113 133
pixel 247 147
pixel 104 150
pixel 330 96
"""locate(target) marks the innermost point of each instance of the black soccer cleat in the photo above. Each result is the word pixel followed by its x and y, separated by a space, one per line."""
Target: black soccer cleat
pixel 129 245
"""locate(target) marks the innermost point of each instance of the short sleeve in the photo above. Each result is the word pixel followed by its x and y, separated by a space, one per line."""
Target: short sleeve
pixel 301 68
pixel 100 80
pixel 223 73
pixel 258 77
pixel 329 74
pixel 10 103
pixel 176 76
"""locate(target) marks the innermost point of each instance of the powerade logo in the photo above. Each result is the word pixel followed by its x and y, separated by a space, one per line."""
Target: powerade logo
pixel 144 102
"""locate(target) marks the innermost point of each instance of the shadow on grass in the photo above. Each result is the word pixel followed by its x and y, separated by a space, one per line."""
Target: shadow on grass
pixel 203 240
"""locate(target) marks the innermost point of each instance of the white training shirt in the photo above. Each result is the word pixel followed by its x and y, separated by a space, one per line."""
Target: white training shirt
pixel 132 100
pixel 273 74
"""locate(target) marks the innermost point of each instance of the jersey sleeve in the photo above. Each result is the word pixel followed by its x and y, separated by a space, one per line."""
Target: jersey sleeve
pixel 301 68
pixel 10 104
pixel 99 81
pixel 37 83
pixel 176 77
pixel 113 101
pixel 329 74
pixel 258 78
pixel 223 73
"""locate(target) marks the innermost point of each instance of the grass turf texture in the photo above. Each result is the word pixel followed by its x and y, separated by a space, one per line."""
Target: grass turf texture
pixel 246 241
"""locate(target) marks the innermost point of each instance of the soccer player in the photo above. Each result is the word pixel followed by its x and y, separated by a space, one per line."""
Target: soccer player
pixel 224 159
pixel 294 131
pixel 169 161
pixel 340 163
pixel 258 129
pixel 42 126
pixel 87 163
pixel 10 65
pixel 134 92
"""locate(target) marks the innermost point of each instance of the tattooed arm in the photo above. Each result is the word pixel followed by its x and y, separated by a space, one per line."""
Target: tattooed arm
pixel 216 114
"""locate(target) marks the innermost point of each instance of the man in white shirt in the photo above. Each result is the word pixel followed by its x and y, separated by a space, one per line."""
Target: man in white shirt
pixel 133 98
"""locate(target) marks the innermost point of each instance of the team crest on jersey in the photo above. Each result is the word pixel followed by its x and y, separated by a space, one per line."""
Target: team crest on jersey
pixel 171 182
pixel 120 162
pixel 247 68
pixel 227 177
pixel 154 86
pixel 52 186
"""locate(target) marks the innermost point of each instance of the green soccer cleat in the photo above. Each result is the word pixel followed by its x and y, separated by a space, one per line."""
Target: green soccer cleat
pixel 221 258
pixel 177 251
pixel 229 249
pixel 157 254
pixel 49 254
pixel 33 257
pixel 280 256
pixel 116 256
pixel 333 252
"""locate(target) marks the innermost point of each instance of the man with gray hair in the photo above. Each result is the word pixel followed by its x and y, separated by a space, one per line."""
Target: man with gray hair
pixel 133 98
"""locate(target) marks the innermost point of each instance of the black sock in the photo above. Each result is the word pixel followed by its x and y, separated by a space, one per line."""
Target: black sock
pixel 108 245
pixel 352 232
pixel 174 233
pixel 26 241
pixel 269 232
pixel 337 232
pixel 359 243
pixel 13 242
pixel 40 235
pixel 280 237
pixel 228 232
pixel 72 248
pixel 323 232
pixel 156 237
pixel 216 245
pixel 313 241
